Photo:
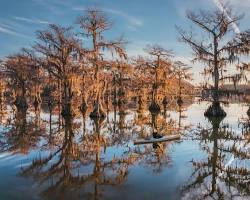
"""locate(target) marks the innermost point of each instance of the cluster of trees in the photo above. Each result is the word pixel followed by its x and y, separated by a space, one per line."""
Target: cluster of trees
pixel 61 69
pixel 68 66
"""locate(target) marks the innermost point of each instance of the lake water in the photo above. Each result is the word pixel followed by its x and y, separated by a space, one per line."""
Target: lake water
pixel 99 160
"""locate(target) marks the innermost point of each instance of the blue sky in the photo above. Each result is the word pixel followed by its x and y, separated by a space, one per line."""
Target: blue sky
pixel 142 22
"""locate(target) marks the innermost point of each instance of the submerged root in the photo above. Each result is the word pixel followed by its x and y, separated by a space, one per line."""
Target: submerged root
pixel 215 121
pixel 179 101
pixel 83 108
pixel 97 112
pixel 165 101
pixel 215 110
pixel 67 112
pixel 154 107
pixel 21 103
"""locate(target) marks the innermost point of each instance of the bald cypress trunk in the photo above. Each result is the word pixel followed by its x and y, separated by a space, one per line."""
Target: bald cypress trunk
pixel 248 112
pixel 215 110
pixel 67 110
pixel 21 102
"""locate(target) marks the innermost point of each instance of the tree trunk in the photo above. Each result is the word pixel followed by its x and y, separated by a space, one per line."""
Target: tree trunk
pixel 248 112
pixel 154 107
pixel 21 103
pixel 98 110
pixel 215 110
pixel 67 110
pixel 216 72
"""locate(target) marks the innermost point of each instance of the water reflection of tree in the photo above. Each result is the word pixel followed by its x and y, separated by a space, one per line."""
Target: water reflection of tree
pixel 149 122
pixel 181 127
pixel 22 135
pixel 76 164
pixel 244 123
pixel 119 129
pixel 214 177
pixel 155 155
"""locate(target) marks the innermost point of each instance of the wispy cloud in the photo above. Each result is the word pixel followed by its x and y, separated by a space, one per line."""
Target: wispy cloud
pixel 29 20
pixel 79 8
pixel 7 30
pixel 219 4
pixel 133 21
pixel 51 5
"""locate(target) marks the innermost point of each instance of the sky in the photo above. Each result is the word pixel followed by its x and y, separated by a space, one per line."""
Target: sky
pixel 141 22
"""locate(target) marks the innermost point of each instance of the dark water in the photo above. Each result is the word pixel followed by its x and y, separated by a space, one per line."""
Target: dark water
pixel 98 160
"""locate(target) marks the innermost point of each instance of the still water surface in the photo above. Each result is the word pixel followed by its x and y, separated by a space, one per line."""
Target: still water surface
pixel 98 160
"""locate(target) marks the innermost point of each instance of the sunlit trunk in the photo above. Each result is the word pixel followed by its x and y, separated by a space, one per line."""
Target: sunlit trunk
pixel 20 101
pixel 21 122
pixel 59 104
pixel 67 110
pixel 50 106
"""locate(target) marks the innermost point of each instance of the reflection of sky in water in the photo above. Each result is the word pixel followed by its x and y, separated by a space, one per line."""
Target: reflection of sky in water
pixel 144 180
